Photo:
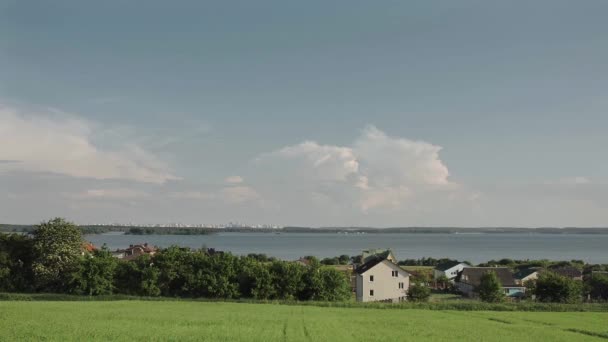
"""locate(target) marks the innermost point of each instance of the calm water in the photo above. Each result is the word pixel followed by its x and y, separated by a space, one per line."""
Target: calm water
pixel 472 247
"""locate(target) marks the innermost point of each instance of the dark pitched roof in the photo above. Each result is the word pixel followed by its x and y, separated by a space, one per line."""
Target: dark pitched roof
pixel 371 262
pixel 447 265
pixel 521 274
pixel 570 272
pixel 370 254
pixel 472 275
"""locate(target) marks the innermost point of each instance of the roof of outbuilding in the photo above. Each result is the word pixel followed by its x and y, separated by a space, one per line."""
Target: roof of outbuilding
pixel 568 271
pixel 521 274
pixel 472 275
pixel 447 265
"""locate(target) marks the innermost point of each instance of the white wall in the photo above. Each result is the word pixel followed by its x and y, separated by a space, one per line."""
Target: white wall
pixel 385 286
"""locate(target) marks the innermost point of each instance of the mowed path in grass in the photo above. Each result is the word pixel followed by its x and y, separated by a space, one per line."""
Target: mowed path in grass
pixel 207 321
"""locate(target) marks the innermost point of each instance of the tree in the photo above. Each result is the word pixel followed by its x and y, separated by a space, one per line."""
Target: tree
pixel 57 248
pixel 442 281
pixel 552 287
pixel 256 281
pixel 330 261
pixel 490 289
pixel 598 286
pixel 418 292
pixel 15 263
pixel 95 274
pixel 287 278
pixel 344 259
pixel 530 287
pixel 138 277
pixel 334 285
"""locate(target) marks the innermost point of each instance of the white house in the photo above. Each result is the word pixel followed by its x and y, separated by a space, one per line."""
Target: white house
pixel 449 269
pixel 380 279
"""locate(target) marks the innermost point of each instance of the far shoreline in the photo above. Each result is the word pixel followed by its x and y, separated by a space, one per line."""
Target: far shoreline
pixel 188 230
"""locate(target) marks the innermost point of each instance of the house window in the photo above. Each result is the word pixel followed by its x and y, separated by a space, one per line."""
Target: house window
pixel 371 278
pixel 400 285
pixel 395 273
pixel 371 292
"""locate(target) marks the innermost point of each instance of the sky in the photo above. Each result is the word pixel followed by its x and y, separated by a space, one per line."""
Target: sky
pixel 316 113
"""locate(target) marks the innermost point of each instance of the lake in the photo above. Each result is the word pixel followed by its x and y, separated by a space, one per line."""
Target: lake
pixel 472 247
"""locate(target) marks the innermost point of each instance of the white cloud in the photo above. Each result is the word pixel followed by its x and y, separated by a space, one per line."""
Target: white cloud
pixel 115 193
pixel 63 145
pixel 376 172
pixel 234 180
pixel 192 195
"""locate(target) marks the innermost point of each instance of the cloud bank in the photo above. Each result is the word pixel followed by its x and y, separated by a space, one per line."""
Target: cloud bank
pixel 63 145
pixel 376 172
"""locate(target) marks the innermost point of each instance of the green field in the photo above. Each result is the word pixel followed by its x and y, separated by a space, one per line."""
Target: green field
pixel 211 321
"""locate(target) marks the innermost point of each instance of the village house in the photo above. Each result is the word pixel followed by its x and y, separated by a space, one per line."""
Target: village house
pixel 379 278
pixel 522 276
pixel 448 269
pixel 469 279
pixel 87 248
pixel 134 251
pixel 569 272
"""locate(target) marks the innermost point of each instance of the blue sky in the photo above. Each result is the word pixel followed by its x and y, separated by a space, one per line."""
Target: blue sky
pixel 469 113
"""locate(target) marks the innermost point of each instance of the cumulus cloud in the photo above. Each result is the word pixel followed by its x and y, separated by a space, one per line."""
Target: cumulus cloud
pixel 63 145
pixel 376 172
pixel 234 180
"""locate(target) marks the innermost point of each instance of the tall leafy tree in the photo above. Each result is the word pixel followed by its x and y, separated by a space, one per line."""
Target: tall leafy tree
pixel 418 291
pixel 57 248
pixel 95 274
pixel 256 281
pixel 598 286
pixel 139 277
pixel 287 278
pixel 15 263
pixel 490 289
pixel 552 287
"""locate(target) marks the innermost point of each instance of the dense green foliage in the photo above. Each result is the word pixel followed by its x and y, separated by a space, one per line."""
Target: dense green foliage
pixel 489 288
pixel 196 321
pixel 95 274
pixel 551 287
pixel 598 286
pixel 339 260
pixel 16 263
pixel 56 250
pixel 55 260
pixel 426 262
pixel 418 292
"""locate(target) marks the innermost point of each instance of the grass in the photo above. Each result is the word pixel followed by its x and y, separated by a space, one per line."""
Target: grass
pixel 221 321
pixel 438 301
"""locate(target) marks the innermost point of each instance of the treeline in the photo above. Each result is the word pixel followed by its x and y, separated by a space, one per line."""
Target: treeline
pixel 53 260
pixel 426 262
pixel 131 230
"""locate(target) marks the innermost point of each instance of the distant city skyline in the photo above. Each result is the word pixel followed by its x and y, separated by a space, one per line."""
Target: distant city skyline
pixel 340 113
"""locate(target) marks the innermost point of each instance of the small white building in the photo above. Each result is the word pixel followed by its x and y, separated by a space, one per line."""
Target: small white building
pixel 449 269
pixel 380 279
